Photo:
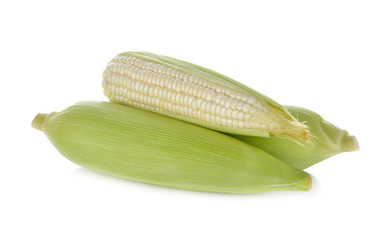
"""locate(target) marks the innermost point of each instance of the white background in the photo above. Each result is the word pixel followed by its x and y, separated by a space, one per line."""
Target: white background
pixel 328 56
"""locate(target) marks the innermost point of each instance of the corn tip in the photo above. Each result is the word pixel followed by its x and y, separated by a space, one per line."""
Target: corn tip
pixel 356 144
pixel 39 120
pixel 348 143
pixel 309 183
pixel 306 183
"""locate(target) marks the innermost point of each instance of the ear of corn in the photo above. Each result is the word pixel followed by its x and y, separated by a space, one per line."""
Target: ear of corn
pixel 143 146
pixel 326 140
pixel 197 95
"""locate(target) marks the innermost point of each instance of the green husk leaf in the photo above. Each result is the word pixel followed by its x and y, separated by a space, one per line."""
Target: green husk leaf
pixel 147 147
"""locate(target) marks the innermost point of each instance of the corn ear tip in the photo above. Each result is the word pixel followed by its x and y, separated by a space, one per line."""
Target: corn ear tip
pixel 306 183
pixel 303 136
pixel 348 143
pixel 39 120
pixel 309 183
pixel 356 144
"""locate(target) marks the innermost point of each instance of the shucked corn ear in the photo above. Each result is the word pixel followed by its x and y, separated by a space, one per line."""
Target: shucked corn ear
pixel 197 95
pixel 147 147
pixel 326 140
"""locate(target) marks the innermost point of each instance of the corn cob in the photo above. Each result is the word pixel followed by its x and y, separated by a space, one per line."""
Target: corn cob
pixel 147 147
pixel 326 140
pixel 197 95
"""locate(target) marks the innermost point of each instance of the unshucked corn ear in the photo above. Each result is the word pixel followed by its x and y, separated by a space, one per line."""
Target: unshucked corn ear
pixel 326 140
pixel 147 147
pixel 197 95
